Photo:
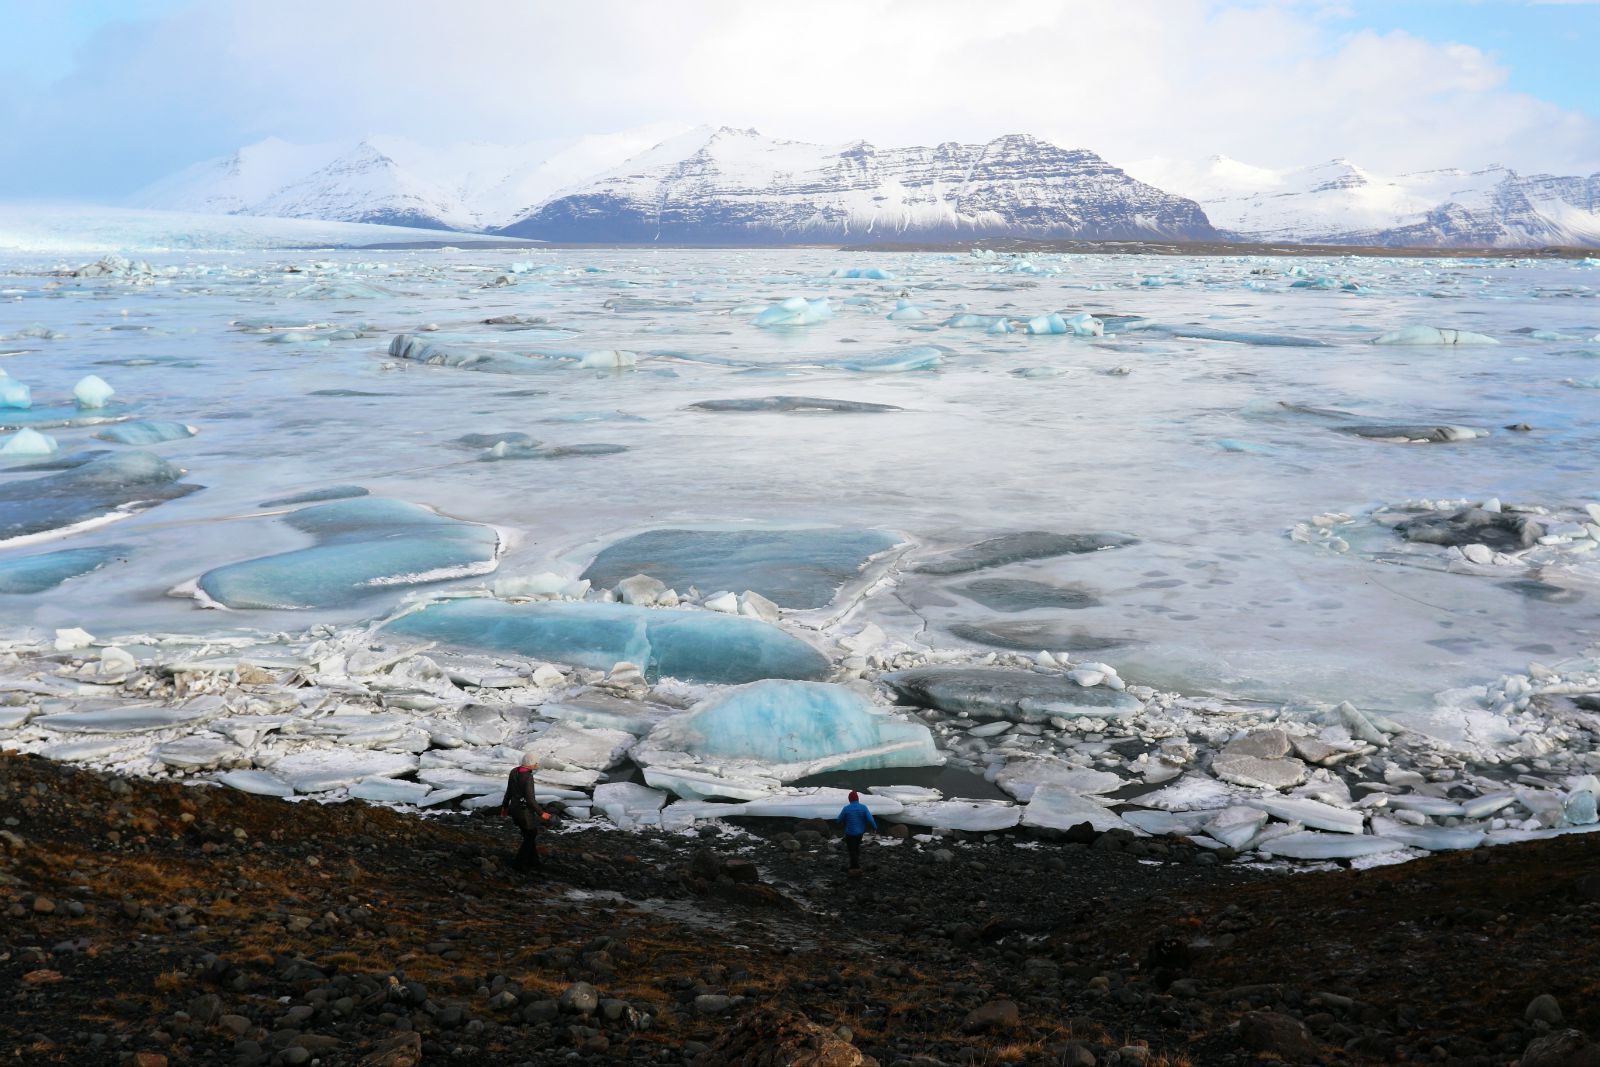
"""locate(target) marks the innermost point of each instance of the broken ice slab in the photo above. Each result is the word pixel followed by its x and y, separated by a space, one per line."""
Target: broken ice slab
pixel 259 783
pixel 316 496
pixel 793 404
pixel 625 803
pixel 1239 337
pixel 1021 777
pixel 913 358
pixel 597 709
pixel 789 730
pixel 494 361
pixel 821 802
pixel 1020 547
pixel 362 545
pixel 1167 823
pixel 133 718
pixel 567 745
pixel 1055 807
pixel 795 311
pixel 390 791
pixel 146 433
pixel 1312 845
pixel 1429 335
pixel 105 488
pixel 696 783
pixel 1437 806
pixel 1235 826
pixel 798 569
pixel 975 816
pixel 1487 804
pixel 35 574
pixel 198 752
pixel 321 768
pixel 1017 696
pixel 56 417
pixel 1432 838
pixel 1192 792
pixel 1312 813
pixel 89 751
pixel 692 645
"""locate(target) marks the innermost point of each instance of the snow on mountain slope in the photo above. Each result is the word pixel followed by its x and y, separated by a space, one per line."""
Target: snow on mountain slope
pixel 1339 202
pixel 31 227
pixel 393 180
pixel 736 186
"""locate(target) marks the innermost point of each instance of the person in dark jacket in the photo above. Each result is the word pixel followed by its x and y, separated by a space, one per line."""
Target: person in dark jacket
pixel 524 809
pixel 855 818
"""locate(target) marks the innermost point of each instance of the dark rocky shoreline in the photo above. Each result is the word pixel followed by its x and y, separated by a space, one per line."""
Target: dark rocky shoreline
pixel 151 923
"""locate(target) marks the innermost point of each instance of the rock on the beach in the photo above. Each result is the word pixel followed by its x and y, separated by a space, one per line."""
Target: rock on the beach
pixel 994 1015
pixel 1283 1035
pixel 1564 1048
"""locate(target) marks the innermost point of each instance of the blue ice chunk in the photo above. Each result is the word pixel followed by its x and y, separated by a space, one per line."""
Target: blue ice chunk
pixel 699 646
pixel 417 350
pixel 92 392
pixel 146 433
pixel 792 568
pixel 915 357
pixel 362 545
pixel 1229 444
pixel 1428 335
pixel 905 311
pixel 97 490
pixel 1206 333
pixel 795 311
pixel 1047 324
pixel 794 729
pixel 999 326
pixel 53 417
pixel 35 574
pixel 28 442
pixel 871 273
pixel 13 394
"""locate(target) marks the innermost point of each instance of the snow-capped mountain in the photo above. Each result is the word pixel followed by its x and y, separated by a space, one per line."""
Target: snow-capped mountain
pixel 730 186
pixel 391 180
pixel 1338 202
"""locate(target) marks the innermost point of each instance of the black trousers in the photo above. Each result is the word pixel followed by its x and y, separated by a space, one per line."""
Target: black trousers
pixel 852 842
pixel 528 855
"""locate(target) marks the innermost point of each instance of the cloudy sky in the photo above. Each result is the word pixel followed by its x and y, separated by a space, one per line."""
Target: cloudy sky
pixel 100 97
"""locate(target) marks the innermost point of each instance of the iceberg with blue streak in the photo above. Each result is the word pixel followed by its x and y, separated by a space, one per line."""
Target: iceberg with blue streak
pixel 699 646
pixel 363 544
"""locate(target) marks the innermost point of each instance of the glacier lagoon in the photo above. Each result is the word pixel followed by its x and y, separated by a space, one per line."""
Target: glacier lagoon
pixel 1232 436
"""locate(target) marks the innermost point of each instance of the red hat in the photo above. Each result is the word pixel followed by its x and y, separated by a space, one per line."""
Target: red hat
pixel 854 796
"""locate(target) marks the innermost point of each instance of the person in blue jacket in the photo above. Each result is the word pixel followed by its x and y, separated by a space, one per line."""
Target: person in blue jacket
pixel 855 818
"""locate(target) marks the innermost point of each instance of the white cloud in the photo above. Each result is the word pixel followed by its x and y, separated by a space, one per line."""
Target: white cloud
pixel 1278 84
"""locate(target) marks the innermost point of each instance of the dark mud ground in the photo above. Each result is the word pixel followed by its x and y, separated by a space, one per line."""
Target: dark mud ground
pixel 157 924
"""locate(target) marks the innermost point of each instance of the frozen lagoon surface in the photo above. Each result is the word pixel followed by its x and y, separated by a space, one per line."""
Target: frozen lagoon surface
pixel 1215 415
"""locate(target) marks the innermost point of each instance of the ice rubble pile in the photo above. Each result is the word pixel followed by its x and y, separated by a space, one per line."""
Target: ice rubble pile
pixel 350 715
pixel 1546 541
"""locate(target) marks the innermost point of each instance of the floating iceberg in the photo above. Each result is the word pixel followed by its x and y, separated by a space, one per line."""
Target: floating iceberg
pixel 146 433
pixel 98 491
pixel 35 574
pixel 792 404
pixel 13 394
pixel 92 392
pixel 316 496
pixel 795 311
pixel 798 569
pixel 872 273
pixel 916 357
pixel 29 442
pixel 362 545
pixel 789 730
pixel 1428 335
pixel 1081 325
pixel 693 645
pixel 417 350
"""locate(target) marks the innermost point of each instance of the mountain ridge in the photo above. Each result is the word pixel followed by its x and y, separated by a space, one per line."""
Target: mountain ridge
pixel 729 186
